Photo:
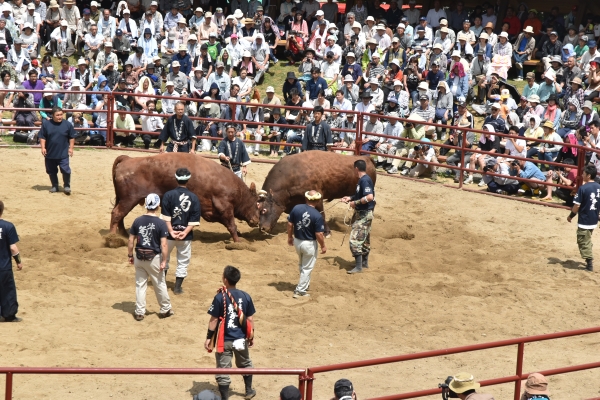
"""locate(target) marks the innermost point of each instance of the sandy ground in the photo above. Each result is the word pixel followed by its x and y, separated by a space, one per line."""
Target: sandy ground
pixel 477 269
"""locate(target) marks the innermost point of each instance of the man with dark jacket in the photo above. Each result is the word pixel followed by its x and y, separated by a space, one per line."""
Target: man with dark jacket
pixel 552 47
pixel 290 83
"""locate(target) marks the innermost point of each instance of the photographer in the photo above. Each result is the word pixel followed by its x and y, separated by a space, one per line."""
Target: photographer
pixel 423 152
pixel 567 176
pixel 463 386
pixel 412 130
pixel 499 184
pixel 294 47
pixel 528 170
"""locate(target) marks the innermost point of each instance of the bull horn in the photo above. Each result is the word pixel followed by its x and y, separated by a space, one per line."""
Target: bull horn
pixel 262 194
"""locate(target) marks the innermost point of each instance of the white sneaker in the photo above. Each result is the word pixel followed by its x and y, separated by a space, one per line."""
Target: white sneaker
pixel 519 79
pixel 444 136
pixel 392 170
pixel 481 183
pixel 469 180
pixel 519 65
pixel 404 171
pixel 256 153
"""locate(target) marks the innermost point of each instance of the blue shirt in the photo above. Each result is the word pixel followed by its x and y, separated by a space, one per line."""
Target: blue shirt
pixel 181 208
pixel 57 137
pixel 434 79
pixel 307 222
pixel 530 171
pixel 149 230
pixel 233 330
pixel 365 187
pixel 587 198
pixel 313 88
pixel 8 237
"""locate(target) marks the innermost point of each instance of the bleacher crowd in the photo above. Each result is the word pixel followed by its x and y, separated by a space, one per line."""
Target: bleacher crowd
pixel 425 65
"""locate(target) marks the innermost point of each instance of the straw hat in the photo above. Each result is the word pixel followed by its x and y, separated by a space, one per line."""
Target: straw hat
pixel 462 382
pixel 548 124
pixel 489 25
pixel 248 21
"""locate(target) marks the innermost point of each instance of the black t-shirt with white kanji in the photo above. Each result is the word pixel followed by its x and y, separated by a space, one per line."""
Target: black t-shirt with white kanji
pixel 182 208
pixel 365 187
pixel 307 222
pixel 149 230
pixel 587 197
pixel 233 331
pixel 8 237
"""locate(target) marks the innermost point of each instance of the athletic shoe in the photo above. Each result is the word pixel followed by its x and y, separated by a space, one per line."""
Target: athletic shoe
pixel 502 192
pixel 434 176
pixel 469 180
pixel 404 171
pixel 67 190
pixel 54 189
pixel 521 192
pixel 519 65
pixel 256 153
pixel 138 317
pixel 392 170
pixel 519 79
pixel 298 294
pixel 536 192
pixel 214 149
pixel 481 183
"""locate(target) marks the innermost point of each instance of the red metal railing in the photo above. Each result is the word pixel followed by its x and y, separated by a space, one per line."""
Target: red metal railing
pixel 358 132
pixel 516 378
pixel 306 377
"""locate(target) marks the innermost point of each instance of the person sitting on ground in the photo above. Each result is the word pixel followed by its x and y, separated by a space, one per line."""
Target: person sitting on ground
pixel 464 385
pixel 344 390
pixel 412 130
pixel 528 170
pixel 536 387
pixel 487 142
pixel 504 185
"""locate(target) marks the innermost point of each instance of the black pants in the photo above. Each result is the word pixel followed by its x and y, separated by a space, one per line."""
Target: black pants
pixel 8 294
pixel 146 138
pixel 126 140
pixel 565 195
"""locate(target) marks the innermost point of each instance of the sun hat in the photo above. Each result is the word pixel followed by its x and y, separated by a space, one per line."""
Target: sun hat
pixel 423 86
pixel 536 383
pixel 246 53
pixel 248 21
pixel 401 25
pixel 374 81
pixel 199 9
pixel 438 46
pixel 395 40
pixel 484 36
pixel 534 98
pixel 528 29
pixel 219 64
pixel 496 105
pixel 319 13
pixel 270 89
pixel 396 62
pixel 380 27
pixel 348 78
pixel 530 75
pixel 152 201
pixel 456 53
pixel 423 97
pixel 462 382
pixel 366 94
pixel 292 75
pixel 81 61
pixel 238 13
pixel 125 11
pixel 76 83
pixel 444 22
pixel 444 29
pixel 182 47
pixel 398 83
pixel 64 23
pixel 503 34
pixel 31 6
pixel 370 18
pixel 374 55
pixel 350 54
pixel 588 104
pixel 548 124
pixel 489 25
pixel 207 14
pixel 175 64
pixel 169 83
pixel 371 41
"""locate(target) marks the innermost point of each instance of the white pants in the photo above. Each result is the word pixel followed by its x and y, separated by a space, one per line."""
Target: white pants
pixel 238 174
pixel 307 252
pixel 184 253
pixel 386 148
pixel 143 271
pixel 257 136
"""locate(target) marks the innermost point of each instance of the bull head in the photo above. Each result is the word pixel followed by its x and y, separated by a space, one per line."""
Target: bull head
pixel 269 210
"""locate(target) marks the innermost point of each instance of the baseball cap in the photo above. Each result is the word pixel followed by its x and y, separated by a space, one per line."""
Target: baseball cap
pixel 342 387
pixel 319 13
pixel 290 393
pixel 592 43
pixel 220 64
pixel 152 201
pixel 329 54
pixel 122 80
pixel 85 10
pixel 423 19
pixel 31 6
pixel 119 32
pixel 169 83
pixel 491 162
pixel 496 105
pixel 423 97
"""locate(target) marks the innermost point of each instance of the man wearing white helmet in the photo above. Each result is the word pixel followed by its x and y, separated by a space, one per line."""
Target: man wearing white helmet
pixel 148 234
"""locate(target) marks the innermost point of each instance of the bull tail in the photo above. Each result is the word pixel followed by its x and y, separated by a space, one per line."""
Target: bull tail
pixel 118 160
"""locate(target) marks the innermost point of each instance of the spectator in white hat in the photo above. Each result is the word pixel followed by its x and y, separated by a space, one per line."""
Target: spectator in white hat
pixel 383 39
pixel 320 16
pixel 128 26
pixel 260 56
pixel 376 93
pixel 503 47
pixel 61 44
pixel 350 90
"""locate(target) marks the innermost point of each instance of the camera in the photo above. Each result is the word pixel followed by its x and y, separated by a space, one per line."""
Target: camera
pixel 514 164
pixel 418 147
pixel 408 125
pixel 373 64
pixel 487 169
pixel 446 392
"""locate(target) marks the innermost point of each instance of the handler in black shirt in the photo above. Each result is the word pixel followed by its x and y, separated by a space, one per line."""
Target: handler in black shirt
pixel 181 212
pixel 57 139
pixel 364 204
pixel 149 234
pixel 233 153
pixel 181 131
pixel 307 226
pixel 585 205
pixel 317 135
pixel 8 289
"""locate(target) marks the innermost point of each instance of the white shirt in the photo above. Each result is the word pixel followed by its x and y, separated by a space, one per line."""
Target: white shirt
pixel 92 40
pixel 136 61
pixel 513 151
pixel 152 123
pixel 360 107
pixel 384 41
pixel 133 29
pixel 168 105
pixel 433 17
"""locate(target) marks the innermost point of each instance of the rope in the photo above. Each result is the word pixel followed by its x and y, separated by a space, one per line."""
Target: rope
pixel 345 223
pixel 331 206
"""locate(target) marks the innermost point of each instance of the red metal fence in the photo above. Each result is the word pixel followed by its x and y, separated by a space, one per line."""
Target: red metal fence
pixel 358 133
pixel 306 377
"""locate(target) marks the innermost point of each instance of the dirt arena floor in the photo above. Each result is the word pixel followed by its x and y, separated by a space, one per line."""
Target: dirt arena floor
pixel 448 268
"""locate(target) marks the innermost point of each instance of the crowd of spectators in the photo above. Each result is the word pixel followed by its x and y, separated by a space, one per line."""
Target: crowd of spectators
pixel 430 66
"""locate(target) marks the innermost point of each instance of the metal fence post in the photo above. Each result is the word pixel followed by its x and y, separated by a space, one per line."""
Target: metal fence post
pixel 519 371
pixel 359 128
pixel 309 385
pixel 463 148
pixel 580 166
pixel 9 385
pixel 109 120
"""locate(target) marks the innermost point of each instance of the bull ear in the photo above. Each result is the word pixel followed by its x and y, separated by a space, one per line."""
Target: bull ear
pixel 253 189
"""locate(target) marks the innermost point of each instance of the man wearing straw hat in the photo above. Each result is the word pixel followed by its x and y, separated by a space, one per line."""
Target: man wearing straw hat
pixel 181 211
pixel 464 385
pixel 305 229
pixel 233 153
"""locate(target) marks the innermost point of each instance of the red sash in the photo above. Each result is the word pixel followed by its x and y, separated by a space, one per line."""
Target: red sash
pixel 246 325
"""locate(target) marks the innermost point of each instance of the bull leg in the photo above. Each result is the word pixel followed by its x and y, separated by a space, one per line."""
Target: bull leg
pixel 229 222
pixel 320 209
pixel 117 217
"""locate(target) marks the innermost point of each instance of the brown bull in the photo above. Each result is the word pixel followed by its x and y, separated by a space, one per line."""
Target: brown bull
pixel 223 196
pixel 331 174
